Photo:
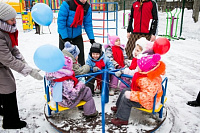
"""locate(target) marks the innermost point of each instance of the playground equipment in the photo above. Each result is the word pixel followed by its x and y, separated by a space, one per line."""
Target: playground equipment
pixel 104 23
pixel 105 99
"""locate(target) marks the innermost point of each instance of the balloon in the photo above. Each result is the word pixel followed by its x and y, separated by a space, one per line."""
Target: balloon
pixel 161 45
pixel 42 14
pixel 49 58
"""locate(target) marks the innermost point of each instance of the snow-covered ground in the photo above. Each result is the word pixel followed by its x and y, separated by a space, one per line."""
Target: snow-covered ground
pixel 183 72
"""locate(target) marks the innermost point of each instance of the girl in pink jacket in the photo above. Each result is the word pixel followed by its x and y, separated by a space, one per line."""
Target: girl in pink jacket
pixel 145 84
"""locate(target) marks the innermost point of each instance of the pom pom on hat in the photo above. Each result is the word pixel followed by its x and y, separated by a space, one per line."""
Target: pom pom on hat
pixel 112 39
pixel 73 49
pixel 7 12
pixel 148 62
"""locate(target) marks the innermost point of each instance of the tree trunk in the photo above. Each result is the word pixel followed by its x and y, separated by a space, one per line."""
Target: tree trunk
pixel 195 14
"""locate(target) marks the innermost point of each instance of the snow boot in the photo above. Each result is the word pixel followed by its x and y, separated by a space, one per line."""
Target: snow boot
pixel 17 125
pixel 114 109
pixel 119 122
pixel 92 115
pixel 193 103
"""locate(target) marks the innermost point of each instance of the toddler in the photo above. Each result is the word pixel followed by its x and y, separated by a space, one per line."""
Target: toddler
pixel 145 84
pixel 115 51
pixel 73 91
pixel 97 60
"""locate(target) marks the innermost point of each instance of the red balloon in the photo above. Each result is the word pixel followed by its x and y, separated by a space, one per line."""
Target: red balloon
pixel 161 45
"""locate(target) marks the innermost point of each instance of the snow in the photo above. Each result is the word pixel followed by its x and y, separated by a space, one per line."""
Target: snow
pixel 183 70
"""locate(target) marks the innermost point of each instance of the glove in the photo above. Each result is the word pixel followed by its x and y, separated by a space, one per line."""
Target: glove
pixel 127 94
pixel 34 73
pixel 95 69
pixel 118 73
pixel 92 41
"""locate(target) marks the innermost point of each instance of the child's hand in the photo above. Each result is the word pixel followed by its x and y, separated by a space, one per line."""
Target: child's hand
pixel 118 73
pixel 95 69
pixel 127 94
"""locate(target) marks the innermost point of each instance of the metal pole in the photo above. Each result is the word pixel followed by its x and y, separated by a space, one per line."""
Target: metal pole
pixel 182 17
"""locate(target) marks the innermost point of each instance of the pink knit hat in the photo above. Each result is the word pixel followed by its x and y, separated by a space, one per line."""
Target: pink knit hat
pixel 148 62
pixel 113 39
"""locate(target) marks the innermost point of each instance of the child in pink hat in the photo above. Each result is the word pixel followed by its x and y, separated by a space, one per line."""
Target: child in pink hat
pixel 115 51
pixel 145 84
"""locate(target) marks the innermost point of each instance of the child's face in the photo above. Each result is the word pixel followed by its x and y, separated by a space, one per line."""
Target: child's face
pixel 83 1
pixel 138 50
pixel 95 56
pixel 117 42
pixel 11 21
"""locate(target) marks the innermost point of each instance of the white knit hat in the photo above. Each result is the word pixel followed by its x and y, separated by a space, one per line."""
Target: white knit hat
pixel 141 42
pixel 7 12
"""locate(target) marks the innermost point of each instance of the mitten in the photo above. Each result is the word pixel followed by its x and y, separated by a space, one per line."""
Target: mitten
pixel 34 73
pixel 95 69
pixel 127 94
pixel 92 41
pixel 118 73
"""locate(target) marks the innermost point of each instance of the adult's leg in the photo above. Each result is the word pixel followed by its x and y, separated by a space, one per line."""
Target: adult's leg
pixel 79 42
pixel 131 43
pixel 61 43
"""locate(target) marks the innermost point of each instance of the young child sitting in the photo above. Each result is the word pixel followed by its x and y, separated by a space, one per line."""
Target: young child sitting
pixel 73 91
pixel 115 51
pixel 145 84
pixel 142 46
pixel 97 61
pixel 73 52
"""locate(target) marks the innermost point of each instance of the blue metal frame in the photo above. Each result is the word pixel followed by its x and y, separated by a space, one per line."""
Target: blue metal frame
pixel 105 91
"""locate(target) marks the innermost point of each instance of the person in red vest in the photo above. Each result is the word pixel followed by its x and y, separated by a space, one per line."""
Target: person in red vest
pixel 142 23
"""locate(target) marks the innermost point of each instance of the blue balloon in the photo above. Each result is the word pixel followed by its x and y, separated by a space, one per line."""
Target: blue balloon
pixel 49 58
pixel 42 14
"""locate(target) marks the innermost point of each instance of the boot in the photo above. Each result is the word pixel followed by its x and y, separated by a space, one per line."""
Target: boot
pixel 119 122
pixel 193 103
pixel 114 109
pixel 16 125
pixel 91 115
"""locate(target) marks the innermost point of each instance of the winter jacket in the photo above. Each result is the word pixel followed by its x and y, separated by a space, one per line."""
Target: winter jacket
pixel 108 63
pixel 66 16
pixel 10 58
pixel 109 54
pixel 70 91
pixel 77 68
pixel 148 88
pixel 144 20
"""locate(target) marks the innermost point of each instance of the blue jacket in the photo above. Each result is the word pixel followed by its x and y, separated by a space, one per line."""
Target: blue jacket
pixel 66 16
pixel 108 63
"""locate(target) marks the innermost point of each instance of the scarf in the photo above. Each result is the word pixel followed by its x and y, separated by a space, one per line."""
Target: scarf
pixel 78 18
pixel 14 38
pixel 152 74
pixel 100 64
pixel 133 64
pixel 118 55
pixel 67 78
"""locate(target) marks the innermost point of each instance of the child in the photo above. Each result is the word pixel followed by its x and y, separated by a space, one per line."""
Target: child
pixel 11 58
pixel 97 61
pixel 141 46
pixel 73 52
pixel 145 84
pixel 115 51
pixel 73 91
